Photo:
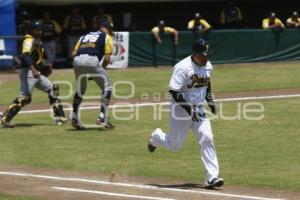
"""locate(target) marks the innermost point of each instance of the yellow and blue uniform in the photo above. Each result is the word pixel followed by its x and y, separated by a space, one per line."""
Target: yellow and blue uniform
pixel 32 52
pixel 32 55
pixel 200 24
pixel 94 44
pixel 89 52
pixel 267 23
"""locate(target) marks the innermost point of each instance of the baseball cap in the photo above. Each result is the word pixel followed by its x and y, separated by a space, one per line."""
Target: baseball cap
pixel 107 24
pixel 35 24
pixel 200 47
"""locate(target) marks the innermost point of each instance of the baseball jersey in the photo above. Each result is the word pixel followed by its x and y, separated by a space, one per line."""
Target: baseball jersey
pixel 201 24
pixel 95 44
pixel 291 22
pixel 191 80
pixel 266 23
pixel 33 48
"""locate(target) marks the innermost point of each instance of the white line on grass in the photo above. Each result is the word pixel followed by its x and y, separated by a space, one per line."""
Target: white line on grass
pixel 167 103
pixel 109 193
pixel 150 187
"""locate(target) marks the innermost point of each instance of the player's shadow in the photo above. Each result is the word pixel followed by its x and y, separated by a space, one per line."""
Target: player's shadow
pixel 88 129
pixel 24 125
pixel 185 186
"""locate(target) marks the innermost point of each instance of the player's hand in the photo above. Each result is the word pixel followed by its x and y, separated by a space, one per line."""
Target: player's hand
pixel 36 74
pixel 213 107
pixel 197 116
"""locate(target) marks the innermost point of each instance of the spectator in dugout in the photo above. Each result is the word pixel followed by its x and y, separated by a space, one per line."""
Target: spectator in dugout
pixel 101 17
pixel 161 29
pixel 50 33
pixel 74 26
pixel 272 22
pixel 198 24
pixel 231 16
pixel 293 21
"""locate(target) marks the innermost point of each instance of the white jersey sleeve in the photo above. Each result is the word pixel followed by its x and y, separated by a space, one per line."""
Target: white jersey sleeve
pixel 209 67
pixel 178 79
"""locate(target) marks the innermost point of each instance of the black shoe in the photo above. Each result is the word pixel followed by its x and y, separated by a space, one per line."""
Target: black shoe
pixel 76 124
pixel 108 124
pixel 151 148
pixel 215 182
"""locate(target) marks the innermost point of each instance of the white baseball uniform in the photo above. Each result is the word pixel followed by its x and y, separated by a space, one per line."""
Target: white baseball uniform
pixel 191 80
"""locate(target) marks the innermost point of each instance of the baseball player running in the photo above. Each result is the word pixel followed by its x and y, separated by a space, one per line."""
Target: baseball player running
pixel 32 59
pixel 189 87
pixel 89 51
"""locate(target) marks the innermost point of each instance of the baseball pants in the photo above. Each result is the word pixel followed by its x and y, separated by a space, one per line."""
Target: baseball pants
pixel 180 123
pixel 86 66
pixel 28 82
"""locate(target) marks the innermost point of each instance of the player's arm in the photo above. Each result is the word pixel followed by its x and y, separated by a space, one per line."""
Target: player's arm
pixel 179 98
pixel 265 24
pixel 27 49
pixel 191 24
pixel 279 23
pixel 174 32
pixel 107 51
pixel 210 100
pixel 206 25
pixel 155 32
pixel 74 52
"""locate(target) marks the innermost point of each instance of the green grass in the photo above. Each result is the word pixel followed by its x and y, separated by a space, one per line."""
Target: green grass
pixel 226 78
pixel 9 197
pixel 252 153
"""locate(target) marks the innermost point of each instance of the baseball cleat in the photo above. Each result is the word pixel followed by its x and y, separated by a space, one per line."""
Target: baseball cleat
pixel 77 125
pixel 151 148
pixel 215 182
pixel 60 120
pixel 108 124
pixel 4 123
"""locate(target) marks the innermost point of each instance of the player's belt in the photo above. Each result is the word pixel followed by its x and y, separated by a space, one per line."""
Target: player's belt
pixel 88 54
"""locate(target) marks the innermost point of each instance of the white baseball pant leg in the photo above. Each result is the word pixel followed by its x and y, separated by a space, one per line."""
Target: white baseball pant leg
pixel 204 135
pixel 180 123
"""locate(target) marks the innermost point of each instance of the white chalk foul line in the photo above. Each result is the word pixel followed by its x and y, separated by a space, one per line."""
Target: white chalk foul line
pixel 100 182
pixel 167 103
pixel 109 193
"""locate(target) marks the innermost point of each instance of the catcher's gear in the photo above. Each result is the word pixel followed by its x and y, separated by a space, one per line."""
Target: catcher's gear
pixel 14 108
pixel 45 68
pixel 56 103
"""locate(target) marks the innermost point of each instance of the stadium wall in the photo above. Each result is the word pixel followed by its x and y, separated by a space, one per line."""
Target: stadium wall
pixel 226 46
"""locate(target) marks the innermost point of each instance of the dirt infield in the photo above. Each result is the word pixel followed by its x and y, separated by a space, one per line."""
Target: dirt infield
pixel 58 184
